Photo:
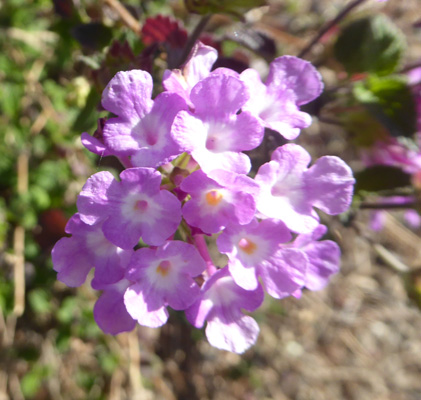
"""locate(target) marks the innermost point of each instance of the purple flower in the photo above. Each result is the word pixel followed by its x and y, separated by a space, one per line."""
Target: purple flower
pixel 131 208
pixel 378 218
pixel 196 68
pixel 218 199
pixel 109 311
pixel 254 250
pixel 88 248
pixel 95 143
pixel 395 153
pixel 215 134
pixel 163 277
pixel 142 127
pixel 291 83
pixel 290 190
pixel 220 305
pixel 323 257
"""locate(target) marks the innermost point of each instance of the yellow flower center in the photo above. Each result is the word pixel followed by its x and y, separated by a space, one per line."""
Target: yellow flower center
pixel 214 197
pixel 163 267
pixel 247 246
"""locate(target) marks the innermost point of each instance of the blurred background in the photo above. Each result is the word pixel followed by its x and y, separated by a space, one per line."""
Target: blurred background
pixel 358 339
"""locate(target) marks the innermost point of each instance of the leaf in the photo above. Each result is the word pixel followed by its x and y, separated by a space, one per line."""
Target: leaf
pixel 162 29
pixel 88 115
pixel 372 44
pixel 40 301
pixel 390 101
pixel 381 177
pixel 93 35
pixel 64 8
pixel 233 7
pixel 40 197
pixel 33 380
pixel 255 41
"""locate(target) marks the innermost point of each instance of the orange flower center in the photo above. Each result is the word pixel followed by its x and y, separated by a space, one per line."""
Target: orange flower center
pixel 213 197
pixel 163 267
pixel 247 246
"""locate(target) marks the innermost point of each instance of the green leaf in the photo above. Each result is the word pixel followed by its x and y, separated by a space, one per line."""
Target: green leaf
pixel 30 384
pixel 364 129
pixel 88 116
pixel 40 197
pixel 40 301
pixel 32 381
pixel 390 101
pixel 381 177
pixel 372 44
pixel 93 35
pixel 67 310
pixel 233 7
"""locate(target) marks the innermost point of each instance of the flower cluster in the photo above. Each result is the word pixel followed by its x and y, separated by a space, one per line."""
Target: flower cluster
pixel 186 179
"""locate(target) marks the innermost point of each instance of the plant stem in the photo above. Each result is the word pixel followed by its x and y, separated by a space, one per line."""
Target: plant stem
pixel 125 15
pixel 202 247
pixel 192 40
pixel 386 206
pixel 342 14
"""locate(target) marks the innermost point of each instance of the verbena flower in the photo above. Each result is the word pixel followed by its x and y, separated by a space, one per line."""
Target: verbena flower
pixel 132 208
pixel 254 251
pixel 216 133
pixel 218 199
pixel 142 126
pixel 110 312
pixel 73 257
pixel 162 277
pixel 291 82
pixel 323 257
pixel 197 67
pixel 220 304
pixel 290 190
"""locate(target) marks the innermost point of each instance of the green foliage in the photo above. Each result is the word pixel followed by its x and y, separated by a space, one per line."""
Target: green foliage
pixel 40 301
pixel 55 59
pixel 380 178
pixel 372 44
pixel 390 101
pixel 93 35
pixel 33 380
pixel 235 8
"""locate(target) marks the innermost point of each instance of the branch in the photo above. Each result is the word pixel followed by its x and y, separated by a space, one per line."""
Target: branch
pixel 193 38
pixel 387 206
pixel 342 14
pixel 125 15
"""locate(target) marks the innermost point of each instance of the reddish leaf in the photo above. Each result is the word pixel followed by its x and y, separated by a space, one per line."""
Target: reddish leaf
pixel 162 29
pixel 52 223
